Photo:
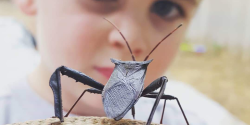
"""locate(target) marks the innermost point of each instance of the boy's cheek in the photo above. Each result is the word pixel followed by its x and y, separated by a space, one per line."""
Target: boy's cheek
pixel 67 41
pixel 64 38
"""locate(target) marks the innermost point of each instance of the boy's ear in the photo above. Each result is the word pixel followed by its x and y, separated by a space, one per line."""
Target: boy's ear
pixel 27 6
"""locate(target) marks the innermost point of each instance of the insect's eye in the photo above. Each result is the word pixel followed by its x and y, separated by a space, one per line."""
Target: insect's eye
pixel 167 10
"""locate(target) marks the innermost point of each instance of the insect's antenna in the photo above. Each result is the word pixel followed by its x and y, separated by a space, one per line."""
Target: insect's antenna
pixel 162 41
pixel 123 38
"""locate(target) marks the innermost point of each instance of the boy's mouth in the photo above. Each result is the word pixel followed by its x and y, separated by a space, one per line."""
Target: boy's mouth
pixel 105 71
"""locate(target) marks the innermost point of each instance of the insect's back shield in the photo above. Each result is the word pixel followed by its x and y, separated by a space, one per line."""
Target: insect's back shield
pixel 127 79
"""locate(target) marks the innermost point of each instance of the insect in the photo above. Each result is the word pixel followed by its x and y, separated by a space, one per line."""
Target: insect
pixel 123 89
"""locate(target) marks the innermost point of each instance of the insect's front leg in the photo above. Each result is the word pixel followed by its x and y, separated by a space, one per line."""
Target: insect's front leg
pixel 158 83
pixel 91 90
pixel 55 84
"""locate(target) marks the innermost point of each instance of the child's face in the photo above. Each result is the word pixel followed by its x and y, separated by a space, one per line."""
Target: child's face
pixel 73 33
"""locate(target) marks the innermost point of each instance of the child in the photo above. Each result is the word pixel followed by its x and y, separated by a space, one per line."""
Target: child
pixel 72 33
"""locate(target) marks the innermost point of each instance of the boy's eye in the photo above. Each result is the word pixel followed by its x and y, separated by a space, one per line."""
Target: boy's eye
pixel 167 10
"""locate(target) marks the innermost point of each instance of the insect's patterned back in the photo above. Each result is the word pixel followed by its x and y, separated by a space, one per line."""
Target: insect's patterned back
pixel 124 87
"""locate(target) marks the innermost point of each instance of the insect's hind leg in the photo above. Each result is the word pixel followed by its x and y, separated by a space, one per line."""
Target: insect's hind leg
pixel 167 97
pixel 55 84
pixel 158 83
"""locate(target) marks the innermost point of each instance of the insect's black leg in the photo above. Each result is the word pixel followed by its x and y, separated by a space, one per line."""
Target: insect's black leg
pixel 154 85
pixel 162 114
pixel 133 112
pixel 55 84
pixel 91 90
pixel 160 82
pixel 167 97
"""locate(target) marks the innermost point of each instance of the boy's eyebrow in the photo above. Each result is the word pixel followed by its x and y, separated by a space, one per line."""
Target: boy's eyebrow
pixel 194 2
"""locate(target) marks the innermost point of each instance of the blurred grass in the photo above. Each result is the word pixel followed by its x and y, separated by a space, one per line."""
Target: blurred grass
pixel 221 76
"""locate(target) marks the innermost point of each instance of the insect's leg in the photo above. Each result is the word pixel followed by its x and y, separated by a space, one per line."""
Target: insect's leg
pixel 91 90
pixel 167 97
pixel 133 112
pixel 80 77
pixel 154 85
pixel 160 82
pixel 55 84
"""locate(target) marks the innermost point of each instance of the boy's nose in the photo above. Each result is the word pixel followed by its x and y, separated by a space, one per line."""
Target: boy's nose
pixel 134 37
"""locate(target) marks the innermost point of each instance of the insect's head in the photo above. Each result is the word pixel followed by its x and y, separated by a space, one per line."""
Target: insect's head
pixel 152 49
pixel 130 67
pixel 130 64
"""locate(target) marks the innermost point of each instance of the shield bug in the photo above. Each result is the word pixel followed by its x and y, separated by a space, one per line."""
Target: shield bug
pixel 123 89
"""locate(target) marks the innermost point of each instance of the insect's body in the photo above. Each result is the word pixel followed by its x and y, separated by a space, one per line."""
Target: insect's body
pixel 124 87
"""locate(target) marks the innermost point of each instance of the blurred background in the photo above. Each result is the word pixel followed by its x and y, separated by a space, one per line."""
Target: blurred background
pixel 214 58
